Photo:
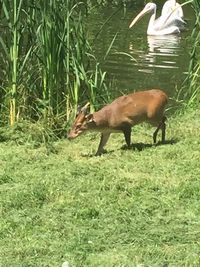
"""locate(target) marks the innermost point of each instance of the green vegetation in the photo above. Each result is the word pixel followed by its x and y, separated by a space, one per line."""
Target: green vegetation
pixel 137 207
pixel 48 65
pixel 194 70
pixel 109 2
pixel 191 88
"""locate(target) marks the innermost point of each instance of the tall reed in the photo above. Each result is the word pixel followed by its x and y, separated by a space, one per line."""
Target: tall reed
pixel 49 66
pixel 193 92
pixel 10 43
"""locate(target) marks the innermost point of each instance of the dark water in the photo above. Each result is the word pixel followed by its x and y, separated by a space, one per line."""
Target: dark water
pixel 152 61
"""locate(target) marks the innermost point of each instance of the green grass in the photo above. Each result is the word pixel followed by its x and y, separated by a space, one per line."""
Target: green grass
pixel 138 207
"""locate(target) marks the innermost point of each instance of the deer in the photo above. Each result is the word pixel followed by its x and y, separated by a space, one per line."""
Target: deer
pixel 121 115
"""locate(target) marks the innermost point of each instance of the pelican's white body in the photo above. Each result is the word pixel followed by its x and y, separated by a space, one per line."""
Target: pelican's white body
pixel 171 6
pixel 168 23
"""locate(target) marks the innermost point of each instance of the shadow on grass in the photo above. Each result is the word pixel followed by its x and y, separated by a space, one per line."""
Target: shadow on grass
pixel 135 146
pixel 105 152
pixel 142 146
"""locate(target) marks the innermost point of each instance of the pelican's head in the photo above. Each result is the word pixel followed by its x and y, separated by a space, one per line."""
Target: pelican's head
pixel 150 7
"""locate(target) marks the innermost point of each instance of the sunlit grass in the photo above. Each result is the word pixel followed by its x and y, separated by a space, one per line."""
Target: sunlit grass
pixel 137 207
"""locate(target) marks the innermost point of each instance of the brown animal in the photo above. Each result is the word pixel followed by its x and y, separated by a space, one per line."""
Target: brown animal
pixel 123 113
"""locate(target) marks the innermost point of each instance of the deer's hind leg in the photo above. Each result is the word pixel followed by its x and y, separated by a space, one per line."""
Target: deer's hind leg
pixel 127 135
pixel 161 126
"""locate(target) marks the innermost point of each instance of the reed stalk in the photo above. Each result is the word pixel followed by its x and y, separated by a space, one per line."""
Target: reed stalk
pixel 49 65
pixel 11 51
pixel 194 67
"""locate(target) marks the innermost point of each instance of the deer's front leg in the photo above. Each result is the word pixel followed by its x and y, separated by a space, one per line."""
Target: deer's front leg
pixel 103 141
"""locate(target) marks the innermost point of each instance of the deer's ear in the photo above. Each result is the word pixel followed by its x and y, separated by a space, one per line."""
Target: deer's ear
pixel 89 117
pixel 78 111
pixel 85 108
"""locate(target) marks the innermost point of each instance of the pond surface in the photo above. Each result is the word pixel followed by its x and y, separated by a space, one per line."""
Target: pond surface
pixel 151 61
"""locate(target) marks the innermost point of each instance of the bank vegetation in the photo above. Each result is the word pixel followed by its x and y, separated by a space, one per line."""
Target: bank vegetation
pixel 48 65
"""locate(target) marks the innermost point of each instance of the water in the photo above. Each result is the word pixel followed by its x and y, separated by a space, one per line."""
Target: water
pixel 151 61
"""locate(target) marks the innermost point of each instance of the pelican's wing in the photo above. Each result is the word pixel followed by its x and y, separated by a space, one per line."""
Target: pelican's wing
pixel 164 22
pixel 179 10
pixel 173 8
pixel 174 21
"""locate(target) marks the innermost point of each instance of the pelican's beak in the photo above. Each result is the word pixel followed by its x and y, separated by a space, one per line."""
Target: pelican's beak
pixel 139 16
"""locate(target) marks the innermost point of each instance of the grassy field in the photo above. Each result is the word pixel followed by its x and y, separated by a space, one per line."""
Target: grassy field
pixel 138 207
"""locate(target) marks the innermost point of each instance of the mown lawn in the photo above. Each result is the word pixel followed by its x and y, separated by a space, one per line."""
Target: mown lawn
pixel 138 207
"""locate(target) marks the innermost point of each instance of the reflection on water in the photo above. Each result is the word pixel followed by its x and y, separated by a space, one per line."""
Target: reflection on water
pixel 160 61
pixel 166 44
pixel 162 52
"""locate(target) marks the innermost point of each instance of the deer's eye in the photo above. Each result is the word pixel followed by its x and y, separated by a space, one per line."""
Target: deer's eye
pixel 78 126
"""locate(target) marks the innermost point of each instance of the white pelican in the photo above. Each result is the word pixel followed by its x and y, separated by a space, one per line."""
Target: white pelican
pixel 165 24
pixel 171 6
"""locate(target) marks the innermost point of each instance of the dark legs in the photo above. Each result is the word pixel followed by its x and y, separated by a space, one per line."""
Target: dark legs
pixel 161 126
pixel 127 135
pixel 103 141
pixel 105 136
